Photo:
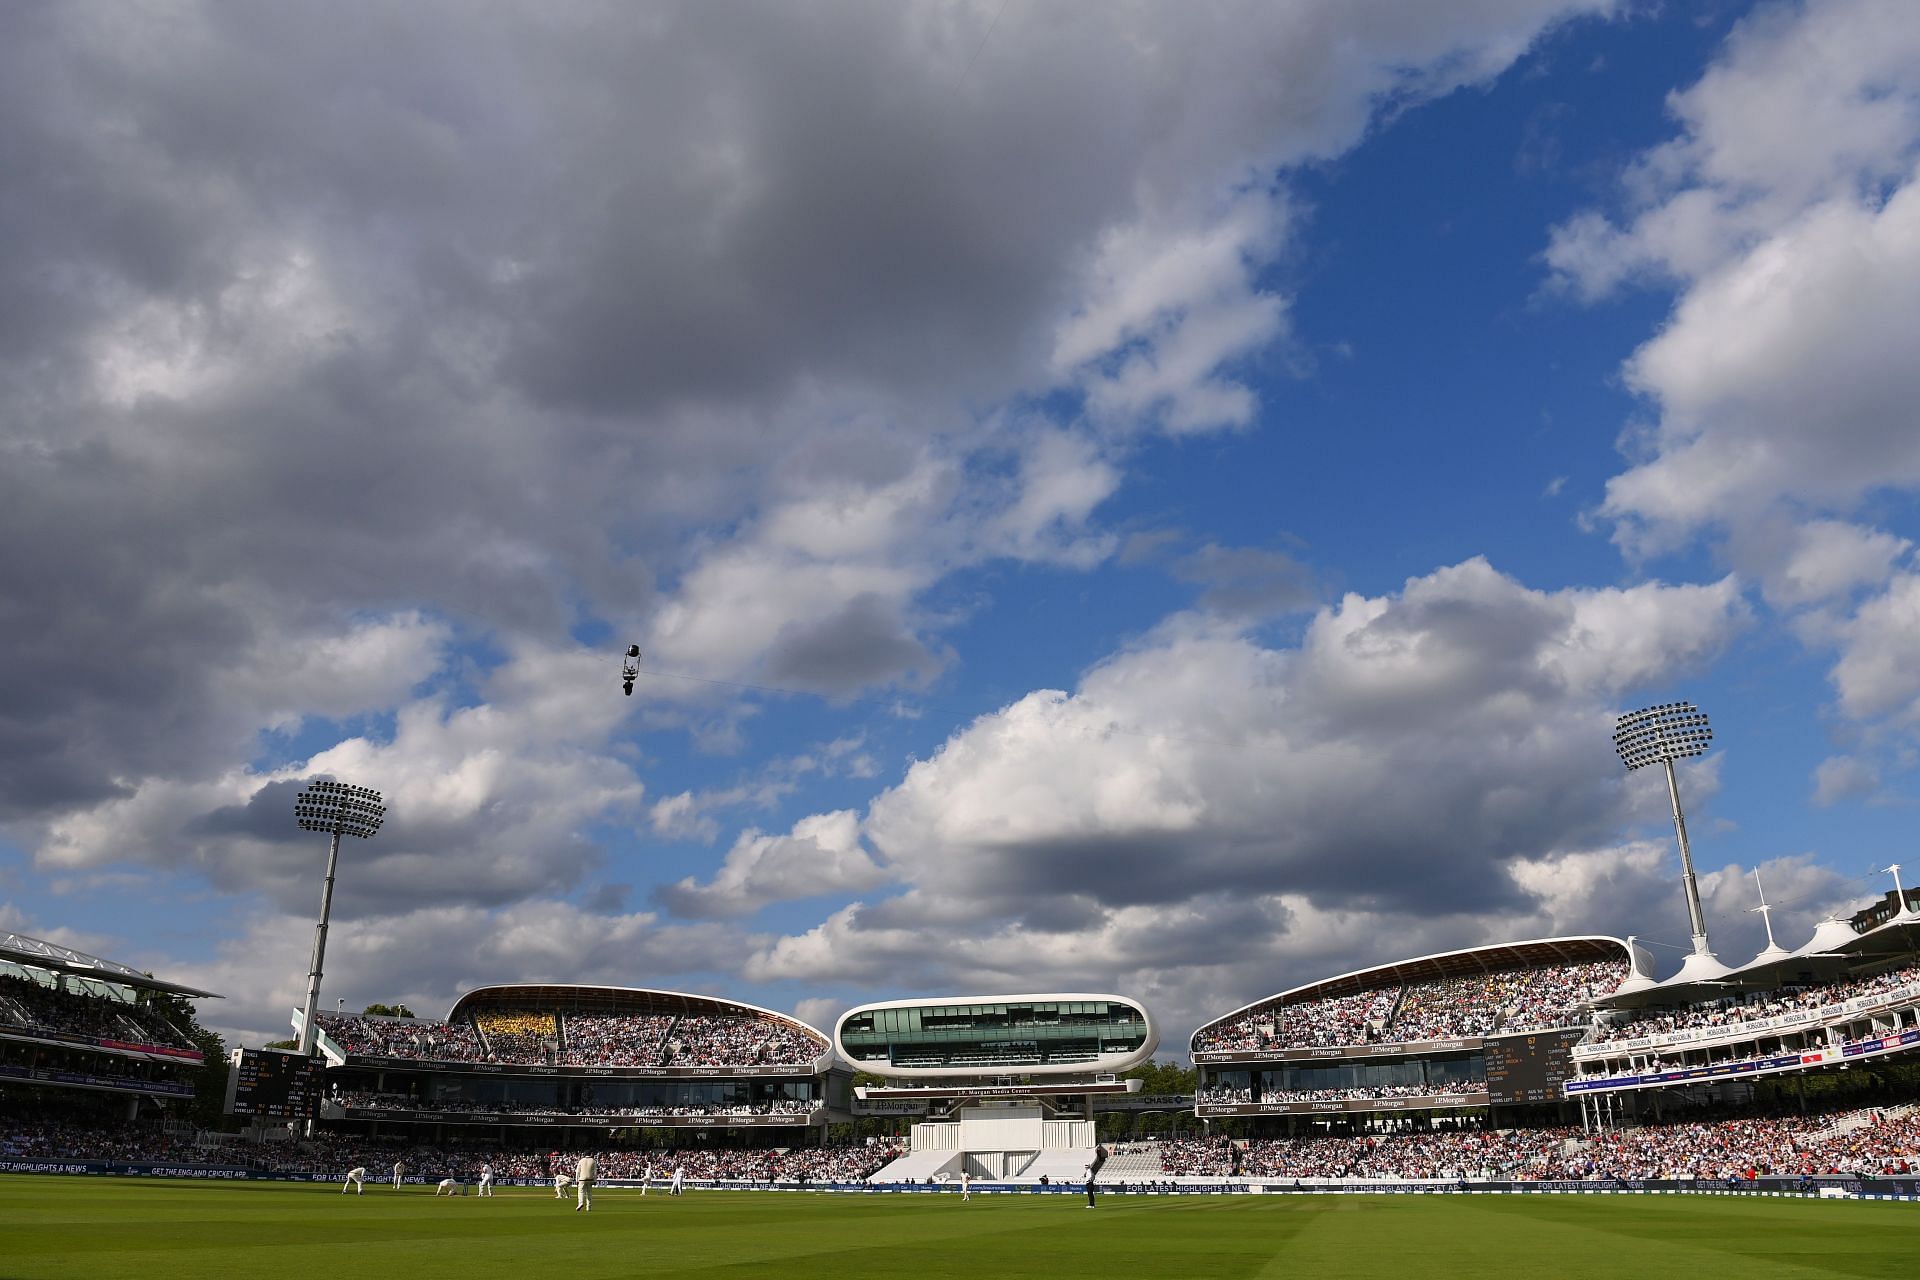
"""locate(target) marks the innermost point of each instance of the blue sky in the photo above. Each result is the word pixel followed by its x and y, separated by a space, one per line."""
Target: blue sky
pixel 1166 502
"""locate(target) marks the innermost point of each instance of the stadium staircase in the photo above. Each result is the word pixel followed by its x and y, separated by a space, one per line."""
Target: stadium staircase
pixel 918 1166
pixel 1060 1165
pixel 1132 1166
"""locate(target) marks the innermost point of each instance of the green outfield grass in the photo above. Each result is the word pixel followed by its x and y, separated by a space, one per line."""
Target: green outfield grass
pixel 106 1229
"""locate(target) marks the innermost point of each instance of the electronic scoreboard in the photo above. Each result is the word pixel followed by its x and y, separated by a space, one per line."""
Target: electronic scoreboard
pixel 274 1085
pixel 1530 1067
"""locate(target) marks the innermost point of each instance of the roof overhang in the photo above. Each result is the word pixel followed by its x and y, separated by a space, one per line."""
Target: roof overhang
pixel 51 956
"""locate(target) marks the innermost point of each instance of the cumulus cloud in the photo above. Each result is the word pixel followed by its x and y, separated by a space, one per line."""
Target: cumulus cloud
pixel 717 326
pixel 1785 213
pixel 1422 770
pixel 1840 778
pixel 821 855
pixel 487 803
pixel 523 317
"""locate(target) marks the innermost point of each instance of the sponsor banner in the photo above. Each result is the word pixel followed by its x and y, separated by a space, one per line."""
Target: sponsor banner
pixel 129 1048
pixel 1754 1067
pixel 119 1084
pixel 125 1170
pixel 1799 1020
pixel 1884 1044
pixel 1335 1052
pixel 623 1073
pixel 889 1093
pixel 1146 1102
pixel 790 1118
pixel 1322 1106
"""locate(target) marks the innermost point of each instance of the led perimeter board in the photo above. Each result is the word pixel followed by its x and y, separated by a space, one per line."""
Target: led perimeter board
pixel 274 1085
pixel 1529 1068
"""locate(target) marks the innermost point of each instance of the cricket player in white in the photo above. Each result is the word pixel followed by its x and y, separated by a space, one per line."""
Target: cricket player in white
pixel 449 1186
pixel 966 1185
pixel 646 1180
pixel 583 1175
pixel 398 1169
pixel 486 1179
pixel 357 1179
pixel 560 1184
pixel 679 1186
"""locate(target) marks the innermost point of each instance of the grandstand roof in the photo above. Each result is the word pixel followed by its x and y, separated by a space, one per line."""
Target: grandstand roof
pixel 612 999
pixel 1446 964
pixel 1834 947
pixel 41 954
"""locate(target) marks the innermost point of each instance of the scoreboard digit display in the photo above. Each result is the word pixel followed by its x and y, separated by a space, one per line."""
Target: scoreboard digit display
pixel 274 1085
pixel 1530 1067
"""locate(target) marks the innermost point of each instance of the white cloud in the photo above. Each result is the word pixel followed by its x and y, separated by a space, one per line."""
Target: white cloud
pixel 486 803
pixel 1424 770
pixel 1839 778
pixel 1785 212
pixel 1879 670
pixel 822 855
pixel 1829 558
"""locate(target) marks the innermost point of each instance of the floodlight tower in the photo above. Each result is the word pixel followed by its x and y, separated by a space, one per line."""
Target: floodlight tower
pixel 339 810
pixel 1660 735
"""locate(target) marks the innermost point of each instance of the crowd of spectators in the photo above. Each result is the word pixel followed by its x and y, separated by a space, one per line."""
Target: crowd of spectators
pixel 1198 1157
pixel 54 1139
pixel 466 1106
pixel 519 1035
pixel 740 1040
pixel 1526 998
pixel 403 1038
pixel 1559 996
pixel 1334 1020
pixel 1450 1007
pixel 330 1155
pixel 1737 1147
pixel 1735 1010
pixel 28 1006
pixel 613 1039
pixel 541 1038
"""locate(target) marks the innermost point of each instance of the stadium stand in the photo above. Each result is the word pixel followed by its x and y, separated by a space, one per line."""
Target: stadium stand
pixel 422 1039
pixel 519 1035
pixel 739 1040
pixel 1511 998
pixel 602 1039
pixel 1731 1012
pixel 31 1007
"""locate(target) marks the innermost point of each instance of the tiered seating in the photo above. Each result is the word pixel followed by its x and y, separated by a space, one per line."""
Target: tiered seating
pixel 1445 1009
pixel 1334 1020
pixel 1524 998
pixel 613 1039
pixel 739 1040
pixel 1132 1162
pixel 422 1038
pixel 518 1035
pixel 1734 1010
pixel 27 1006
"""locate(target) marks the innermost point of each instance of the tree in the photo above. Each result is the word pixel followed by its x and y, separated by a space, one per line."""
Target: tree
pixel 1167 1077
pixel 387 1011
pixel 210 1077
